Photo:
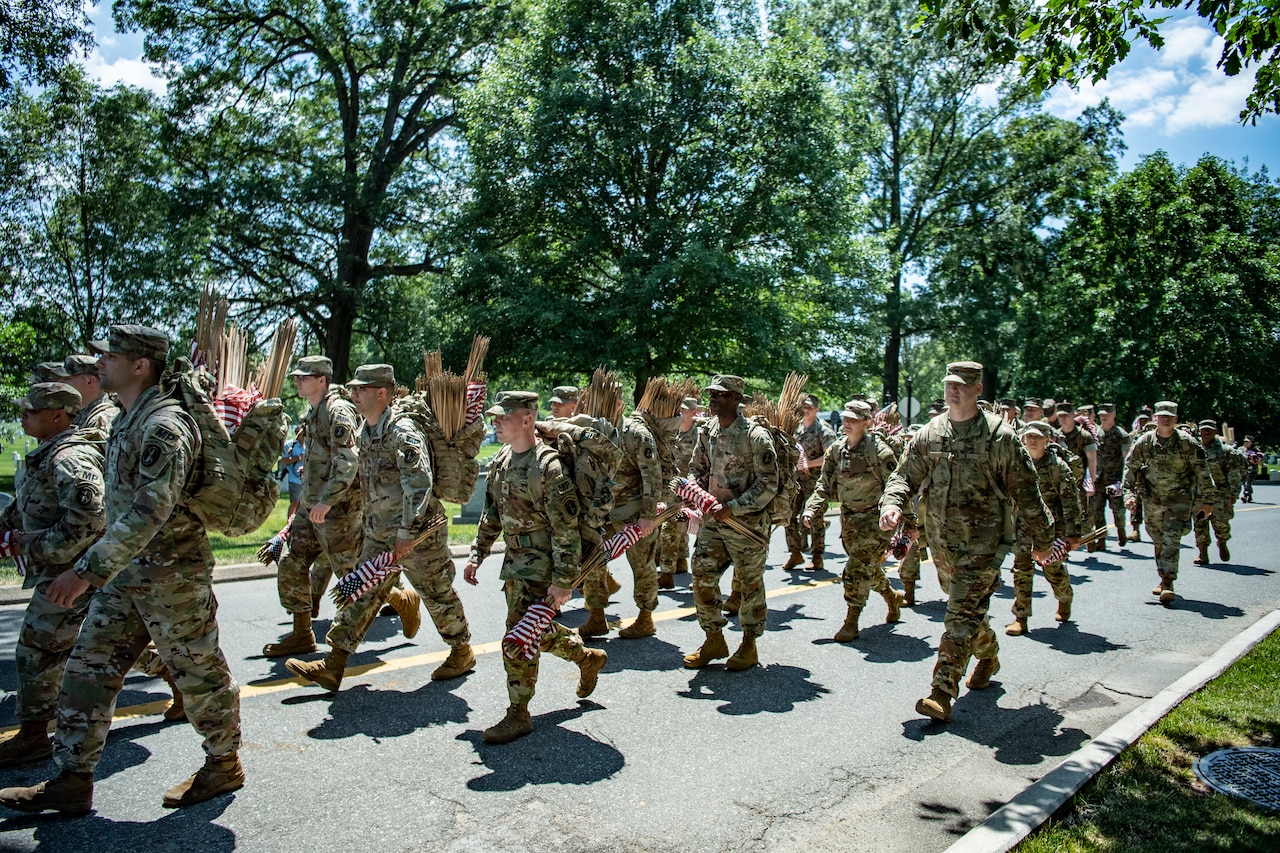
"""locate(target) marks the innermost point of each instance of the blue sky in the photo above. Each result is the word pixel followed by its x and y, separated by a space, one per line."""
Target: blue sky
pixel 1175 99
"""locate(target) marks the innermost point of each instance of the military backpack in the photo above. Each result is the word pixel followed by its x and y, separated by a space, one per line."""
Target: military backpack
pixel 454 469
pixel 782 505
pixel 591 460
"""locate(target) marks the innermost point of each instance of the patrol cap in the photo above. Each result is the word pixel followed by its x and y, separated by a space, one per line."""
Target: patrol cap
pixel 1040 428
pixel 313 365
pixel 48 371
pixel 1049 404
pixel 1167 407
pixel 383 375
pixel 811 400
pixel 1208 423
pixel 140 341
pixel 510 401
pixel 1065 406
pixel 1106 408
pixel 858 410
pixel 81 364
pixel 50 395
pixel 964 372
pixel 1008 403
pixel 564 394
pixel 728 382
pixel 1145 410
pixel 915 428
pixel 690 403
pixel 1033 403
pixel 1084 408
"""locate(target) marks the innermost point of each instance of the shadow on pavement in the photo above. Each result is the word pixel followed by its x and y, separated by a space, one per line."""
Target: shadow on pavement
pixel 647 654
pixel 1067 637
pixel 957 823
pixel 773 689
pixel 361 710
pixel 780 620
pixel 183 829
pixel 551 755
pixel 1207 609
pixel 1237 569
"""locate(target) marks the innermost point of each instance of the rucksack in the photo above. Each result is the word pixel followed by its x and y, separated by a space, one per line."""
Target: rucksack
pixel 591 459
pixel 454 469
pixel 233 488
pixel 781 507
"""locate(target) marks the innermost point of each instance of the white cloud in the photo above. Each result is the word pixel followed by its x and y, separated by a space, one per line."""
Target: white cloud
pixel 132 72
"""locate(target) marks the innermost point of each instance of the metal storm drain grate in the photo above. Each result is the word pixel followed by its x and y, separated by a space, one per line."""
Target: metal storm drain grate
pixel 1250 772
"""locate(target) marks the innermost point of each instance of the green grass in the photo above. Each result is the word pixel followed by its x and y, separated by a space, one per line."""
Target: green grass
pixel 1150 799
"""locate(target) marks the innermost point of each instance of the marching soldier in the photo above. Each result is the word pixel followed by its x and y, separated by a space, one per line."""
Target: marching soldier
pixel 98 409
pixel 327 527
pixel 1226 469
pixel 153 572
pixel 395 484
pixel 675 533
pixel 1080 443
pixel 1166 467
pixel 1012 414
pixel 563 401
pixel 814 438
pixel 968 465
pixel 531 501
pixel 1113 447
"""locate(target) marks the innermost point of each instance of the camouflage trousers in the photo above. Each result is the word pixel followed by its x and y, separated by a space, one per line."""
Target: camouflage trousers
pixel 716 547
pixel 799 537
pixel 969 581
pixel 333 545
pixel 429 568
pixel 1136 515
pixel 522 675
pixel 673 546
pixel 45 641
pixel 1024 571
pixel 1224 510
pixel 595 590
pixel 1098 503
pixel 180 616
pixel 865 543
pixel 642 557
pixel 1166 524
pixel 909 566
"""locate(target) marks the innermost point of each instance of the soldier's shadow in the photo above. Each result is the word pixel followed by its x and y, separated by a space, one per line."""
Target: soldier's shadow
pixel 799 578
pixel 648 654
pixel 772 689
pixel 1021 736
pixel 120 753
pixel 1237 569
pixel 1207 609
pixel 551 755
pixel 780 620
pixel 94 832
pixel 1094 563
pixel 361 710
pixel 1067 637
pixel 882 644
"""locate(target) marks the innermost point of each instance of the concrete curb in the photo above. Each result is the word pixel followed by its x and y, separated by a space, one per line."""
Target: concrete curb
pixel 1025 813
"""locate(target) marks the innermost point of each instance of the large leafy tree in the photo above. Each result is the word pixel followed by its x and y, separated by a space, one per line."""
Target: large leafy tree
pixel 658 186
pixel 1170 287
pixel 1076 40
pixel 319 143
pixel 37 37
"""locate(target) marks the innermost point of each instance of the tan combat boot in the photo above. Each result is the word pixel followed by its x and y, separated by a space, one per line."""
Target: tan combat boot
pixel 642 627
pixel 408 606
pixel 794 560
pixel 316 598
pixel 29 743
pixel 849 630
pixel 733 603
pixel 1223 553
pixel 300 641
pixel 892 599
pixel 1135 535
pixel 908 593
pixel 589 671
pixel 461 660
pixel 1159 587
pixel 815 565
pixel 937 706
pixel 682 565
pixel 1017 627
pixel 326 672
pixel 1203 559
pixel 514 725
pixel 745 657
pixel 1064 611
pixel 713 648
pixel 219 775
pixel 69 793
pixel 177 709
pixel 666 580
pixel 981 677
pixel 595 626
pixel 1167 595
pixel 611 583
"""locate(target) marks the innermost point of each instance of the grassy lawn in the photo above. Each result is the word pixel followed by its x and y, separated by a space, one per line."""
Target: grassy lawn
pixel 1150 799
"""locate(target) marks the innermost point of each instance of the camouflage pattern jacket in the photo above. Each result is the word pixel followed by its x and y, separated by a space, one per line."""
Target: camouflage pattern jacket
pixel 685 443
pixel 638 484
pixel 395 480
pixel 1226 467
pixel 58 505
pixel 150 533
pixel 1112 449
pixel 966 473
pixel 1078 443
pixel 530 500
pixel 740 458
pixel 815 441
pixel 1167 470
pixel 330 462
pixel 98 415
pixel 1060 493
pixel 853 474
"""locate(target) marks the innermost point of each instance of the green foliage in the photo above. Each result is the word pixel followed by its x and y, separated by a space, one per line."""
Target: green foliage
pixel 658 187
pixel 38 38
pixel 1076 40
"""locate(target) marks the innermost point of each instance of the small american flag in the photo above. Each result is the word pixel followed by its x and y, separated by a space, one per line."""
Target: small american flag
pixel 476 392
pixel 704 501
pixel 1061 548
pixel 9 544
pixel 525 637
pixel 363 578
pixel 274 548
pixel 234 403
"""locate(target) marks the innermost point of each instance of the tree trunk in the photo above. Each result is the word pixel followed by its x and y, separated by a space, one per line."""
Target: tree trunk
pixel 893 343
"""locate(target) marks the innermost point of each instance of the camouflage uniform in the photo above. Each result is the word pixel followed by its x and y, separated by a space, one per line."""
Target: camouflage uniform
pixel 674 543
pixel 1078 443
pixel 329 468
pixel 1061 498
pixel 648 464
pixel 154 568
pixel 58 507
pixel 1170 475
pixel 855 475
pixel 1226 468
pixel 740 458
pixel 532 503
pixel 396 482
pixel 815 440
pixel 968 471
pixel 98 415
pixel 1113 447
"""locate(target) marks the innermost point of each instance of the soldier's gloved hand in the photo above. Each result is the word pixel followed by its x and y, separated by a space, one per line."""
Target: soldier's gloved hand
pixel 722 514
pixel 469 573
pixel 890 518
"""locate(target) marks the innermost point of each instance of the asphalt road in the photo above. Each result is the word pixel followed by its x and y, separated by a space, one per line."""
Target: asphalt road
pixel 818 749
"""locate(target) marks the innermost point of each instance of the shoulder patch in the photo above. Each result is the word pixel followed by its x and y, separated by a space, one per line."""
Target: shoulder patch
pixel 769 456
pixel 341 431
pixel 87 495
pixel 151 453
pixel 650 451
pixel 163 433
pixel 410 455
